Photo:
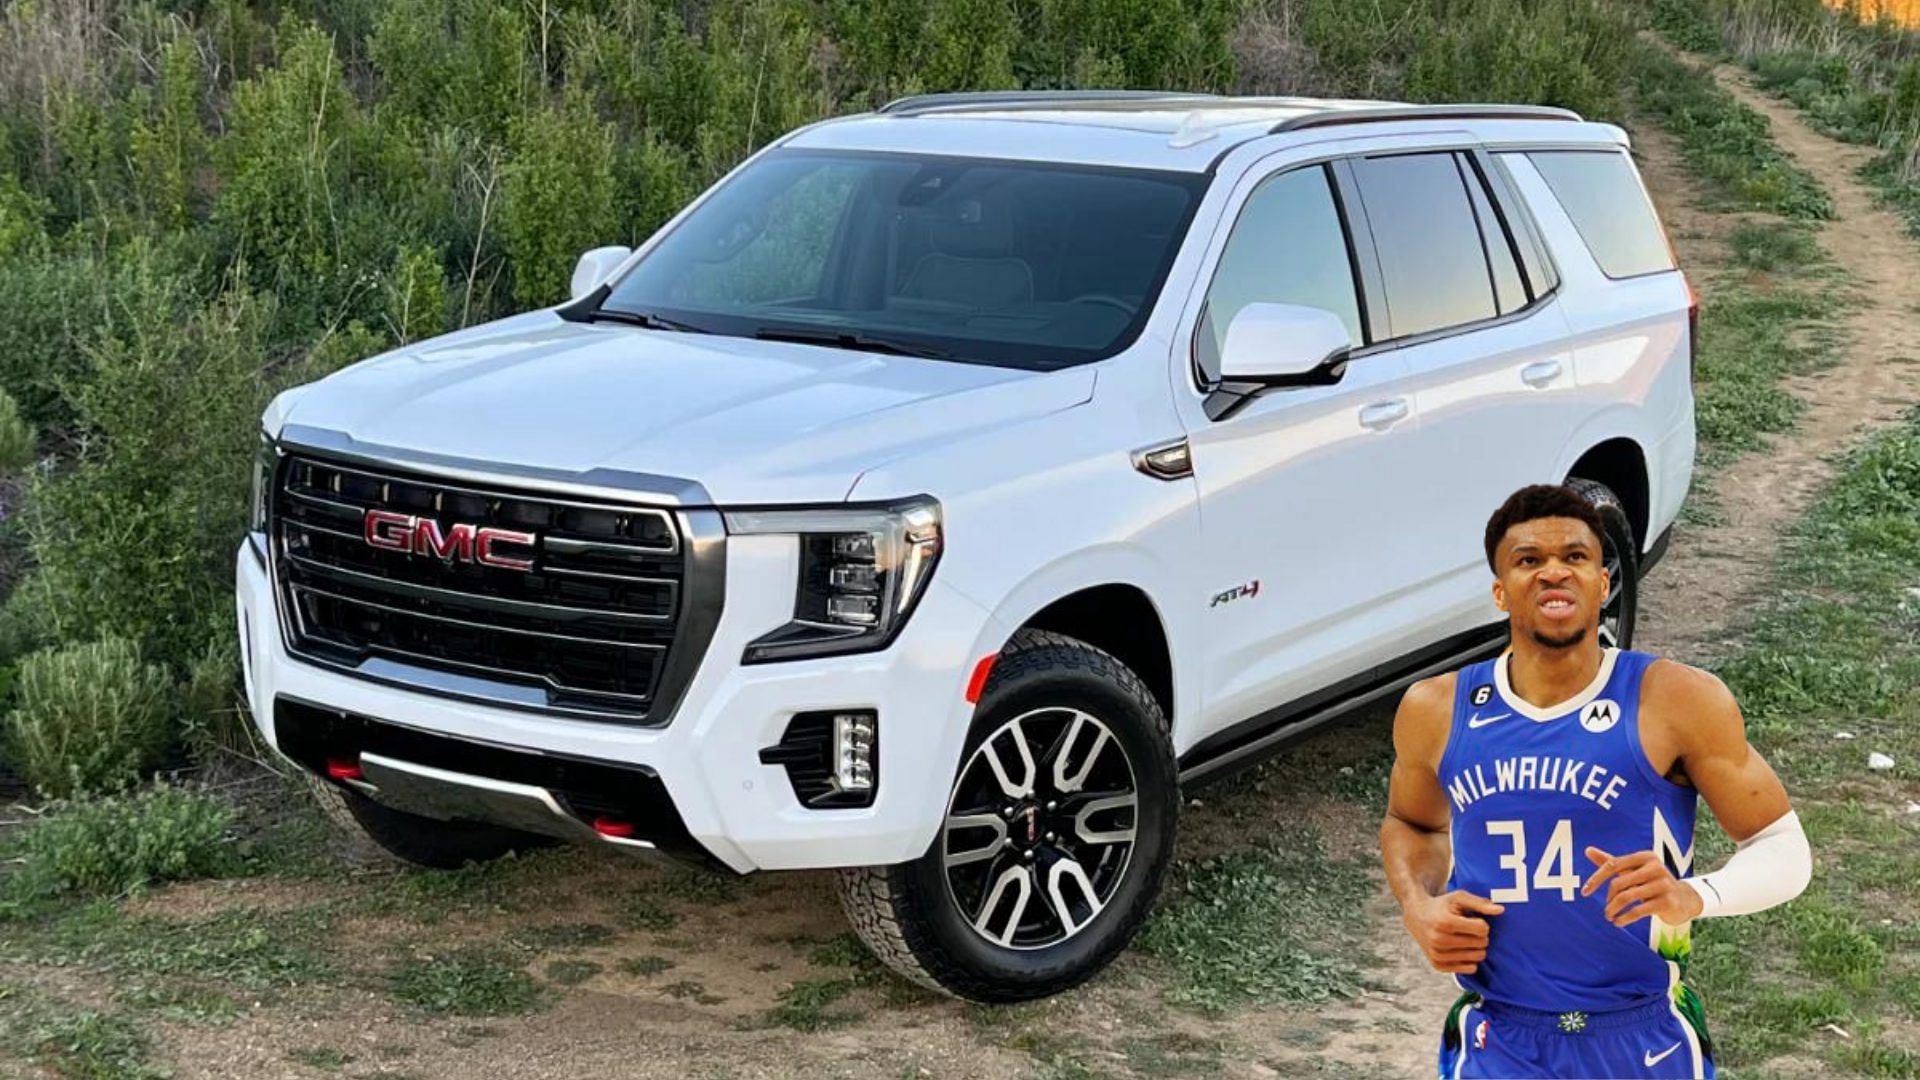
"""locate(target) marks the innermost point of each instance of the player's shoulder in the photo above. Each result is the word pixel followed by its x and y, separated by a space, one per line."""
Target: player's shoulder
pixel 1431 696
pixel 1671 687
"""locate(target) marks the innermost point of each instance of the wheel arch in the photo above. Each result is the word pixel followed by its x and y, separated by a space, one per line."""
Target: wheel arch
pixel 1621 464
pixel 1121 619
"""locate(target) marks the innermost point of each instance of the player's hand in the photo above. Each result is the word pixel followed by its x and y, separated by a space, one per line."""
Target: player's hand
pixel 1450 929
pixel 1638 885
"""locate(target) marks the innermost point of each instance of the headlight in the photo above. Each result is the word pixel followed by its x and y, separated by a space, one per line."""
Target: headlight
pixel 265 460
pixel 861 571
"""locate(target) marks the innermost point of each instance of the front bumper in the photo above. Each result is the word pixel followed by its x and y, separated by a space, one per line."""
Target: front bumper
pixel 739 811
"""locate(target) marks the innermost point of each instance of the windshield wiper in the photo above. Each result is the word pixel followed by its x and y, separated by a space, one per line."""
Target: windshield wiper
pixel 645 319
pixel 843 339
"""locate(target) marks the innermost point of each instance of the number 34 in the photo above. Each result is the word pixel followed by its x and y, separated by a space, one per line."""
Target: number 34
pixel 1554 871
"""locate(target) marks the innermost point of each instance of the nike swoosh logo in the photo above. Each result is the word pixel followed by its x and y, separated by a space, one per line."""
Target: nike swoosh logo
pixel 1476 722
pixel 1653 1059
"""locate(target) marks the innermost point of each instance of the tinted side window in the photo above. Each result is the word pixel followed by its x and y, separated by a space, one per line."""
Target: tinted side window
pixel 1431 261
pixel 1288 247
pixel 1603 196
pixel 1508 289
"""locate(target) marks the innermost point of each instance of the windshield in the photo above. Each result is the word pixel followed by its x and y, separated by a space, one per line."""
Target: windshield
pixel 1022 265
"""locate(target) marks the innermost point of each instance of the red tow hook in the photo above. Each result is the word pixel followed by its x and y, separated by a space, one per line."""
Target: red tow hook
pixel 343 770
pixel 614 827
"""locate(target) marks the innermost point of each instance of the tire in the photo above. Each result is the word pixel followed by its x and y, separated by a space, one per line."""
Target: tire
pixel 381 834
pixel 920 917
pixel 1621 554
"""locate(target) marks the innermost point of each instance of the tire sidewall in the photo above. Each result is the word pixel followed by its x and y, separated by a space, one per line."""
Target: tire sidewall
pixel 1141 733
pixel 1619 535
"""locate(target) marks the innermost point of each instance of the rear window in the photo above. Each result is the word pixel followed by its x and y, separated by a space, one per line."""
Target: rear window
pixel 1602 194
pixel 1433 262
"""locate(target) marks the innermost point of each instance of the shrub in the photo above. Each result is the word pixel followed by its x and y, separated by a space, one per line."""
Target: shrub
pixel 121 843
pixel 17 437
pixel 136 539
pixel 557 199
pixel 90 717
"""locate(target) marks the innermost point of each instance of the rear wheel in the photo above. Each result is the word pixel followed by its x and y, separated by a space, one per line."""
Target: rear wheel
pixel 1622 559
pixel 1059 825
pixel 380 833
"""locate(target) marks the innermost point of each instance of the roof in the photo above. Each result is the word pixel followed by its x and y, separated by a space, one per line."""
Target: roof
pixel 1141 128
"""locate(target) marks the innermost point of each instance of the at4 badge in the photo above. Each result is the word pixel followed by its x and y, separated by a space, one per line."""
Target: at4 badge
pixel 1250 589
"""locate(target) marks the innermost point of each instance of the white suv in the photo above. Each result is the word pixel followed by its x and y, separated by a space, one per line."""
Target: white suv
pixel 947 486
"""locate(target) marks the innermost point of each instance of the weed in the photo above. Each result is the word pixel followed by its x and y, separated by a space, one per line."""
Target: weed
pixel 565 936
pixel 1774 245
pixel 467 982
pixel 119 844
pixel 645 967
pixel 646 912
pixel 572 972
pixel 808 1005
pixel 324 1058
pixel 1257 927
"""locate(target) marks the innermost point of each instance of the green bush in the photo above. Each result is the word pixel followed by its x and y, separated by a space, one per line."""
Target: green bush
pixel 17 437
pixel 89 718
pixel 114 845
pixel 557 200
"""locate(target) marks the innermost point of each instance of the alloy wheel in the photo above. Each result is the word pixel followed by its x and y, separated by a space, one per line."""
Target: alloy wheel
pixel 1040 828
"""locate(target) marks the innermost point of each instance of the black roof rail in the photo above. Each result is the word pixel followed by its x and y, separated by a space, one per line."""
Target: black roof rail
pixel 1033 99
pixel 1386 113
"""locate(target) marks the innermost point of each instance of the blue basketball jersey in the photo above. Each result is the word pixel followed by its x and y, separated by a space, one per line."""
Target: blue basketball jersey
pixel 1529 790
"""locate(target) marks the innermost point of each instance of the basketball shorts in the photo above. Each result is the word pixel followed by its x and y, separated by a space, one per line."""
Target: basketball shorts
pixel 1659 1039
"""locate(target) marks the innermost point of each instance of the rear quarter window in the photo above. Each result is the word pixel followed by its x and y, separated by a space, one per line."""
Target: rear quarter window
pixel 1602 193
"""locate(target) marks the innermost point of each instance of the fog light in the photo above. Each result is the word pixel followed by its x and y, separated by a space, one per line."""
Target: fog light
pixel 853 752
pixel 831 757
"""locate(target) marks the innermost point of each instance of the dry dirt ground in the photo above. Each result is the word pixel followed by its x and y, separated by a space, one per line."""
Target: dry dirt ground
pixel 732 955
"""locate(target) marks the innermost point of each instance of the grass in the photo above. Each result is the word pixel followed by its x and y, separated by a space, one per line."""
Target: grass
pixel 70 1040
pixel 1275 924
pixel 1727 145
pixel 467 982
pixel 1836 650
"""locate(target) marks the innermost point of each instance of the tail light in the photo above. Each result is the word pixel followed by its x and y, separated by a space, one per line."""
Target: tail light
pixel 1693 328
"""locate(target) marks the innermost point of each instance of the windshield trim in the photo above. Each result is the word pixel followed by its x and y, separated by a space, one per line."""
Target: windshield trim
pixel 952 350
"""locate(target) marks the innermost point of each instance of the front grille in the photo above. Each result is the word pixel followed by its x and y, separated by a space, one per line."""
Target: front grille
pixel 592 629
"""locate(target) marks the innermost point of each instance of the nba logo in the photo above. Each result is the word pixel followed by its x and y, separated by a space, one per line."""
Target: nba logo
pixel 1600 715
pixel 1480 1035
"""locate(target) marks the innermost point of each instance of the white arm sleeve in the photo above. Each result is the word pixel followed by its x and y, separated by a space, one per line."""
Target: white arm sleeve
pixel 1767 869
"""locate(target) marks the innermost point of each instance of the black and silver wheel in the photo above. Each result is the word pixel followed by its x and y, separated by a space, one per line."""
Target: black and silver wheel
pixel 1621 557
pixel 1057 833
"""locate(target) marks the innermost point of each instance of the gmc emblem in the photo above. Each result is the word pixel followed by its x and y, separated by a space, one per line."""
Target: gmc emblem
pixel 460 542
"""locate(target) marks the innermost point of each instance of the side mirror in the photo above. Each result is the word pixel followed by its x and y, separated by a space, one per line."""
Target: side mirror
pixel 594 267
pixel 1282 344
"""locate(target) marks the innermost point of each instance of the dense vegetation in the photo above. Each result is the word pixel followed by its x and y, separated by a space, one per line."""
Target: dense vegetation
pixel 204 201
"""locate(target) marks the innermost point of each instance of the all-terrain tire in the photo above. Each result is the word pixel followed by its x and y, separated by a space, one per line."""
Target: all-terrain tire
pixel 907 914
pixel 1621 554
pixel 380 834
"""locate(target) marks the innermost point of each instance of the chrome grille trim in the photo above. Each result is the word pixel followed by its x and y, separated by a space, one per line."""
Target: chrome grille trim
pixel 609 624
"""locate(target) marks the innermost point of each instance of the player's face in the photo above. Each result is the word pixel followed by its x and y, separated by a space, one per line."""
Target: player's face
pixel 1552 581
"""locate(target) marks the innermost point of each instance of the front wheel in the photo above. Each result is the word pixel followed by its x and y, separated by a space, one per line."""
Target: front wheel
pixel 1058 829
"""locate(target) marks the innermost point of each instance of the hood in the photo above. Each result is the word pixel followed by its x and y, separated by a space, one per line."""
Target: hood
pixel 750 421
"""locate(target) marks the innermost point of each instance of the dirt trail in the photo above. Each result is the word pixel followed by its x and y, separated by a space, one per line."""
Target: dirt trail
pixel 1712 573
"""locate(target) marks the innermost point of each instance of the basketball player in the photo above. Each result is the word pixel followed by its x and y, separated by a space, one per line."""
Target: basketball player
pixel 1539 829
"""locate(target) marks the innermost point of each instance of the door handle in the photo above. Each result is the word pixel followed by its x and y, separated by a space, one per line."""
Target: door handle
pixel 1540 373
pixel 1382 414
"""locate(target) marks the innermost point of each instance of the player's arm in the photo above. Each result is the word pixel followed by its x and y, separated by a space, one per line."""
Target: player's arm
pixel 1772 862
pixel 1414 843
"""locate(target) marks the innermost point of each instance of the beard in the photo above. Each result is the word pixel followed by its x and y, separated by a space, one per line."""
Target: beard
pixel 1568 642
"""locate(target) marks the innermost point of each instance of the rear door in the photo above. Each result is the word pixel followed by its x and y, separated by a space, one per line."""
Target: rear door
pixel 1467 303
